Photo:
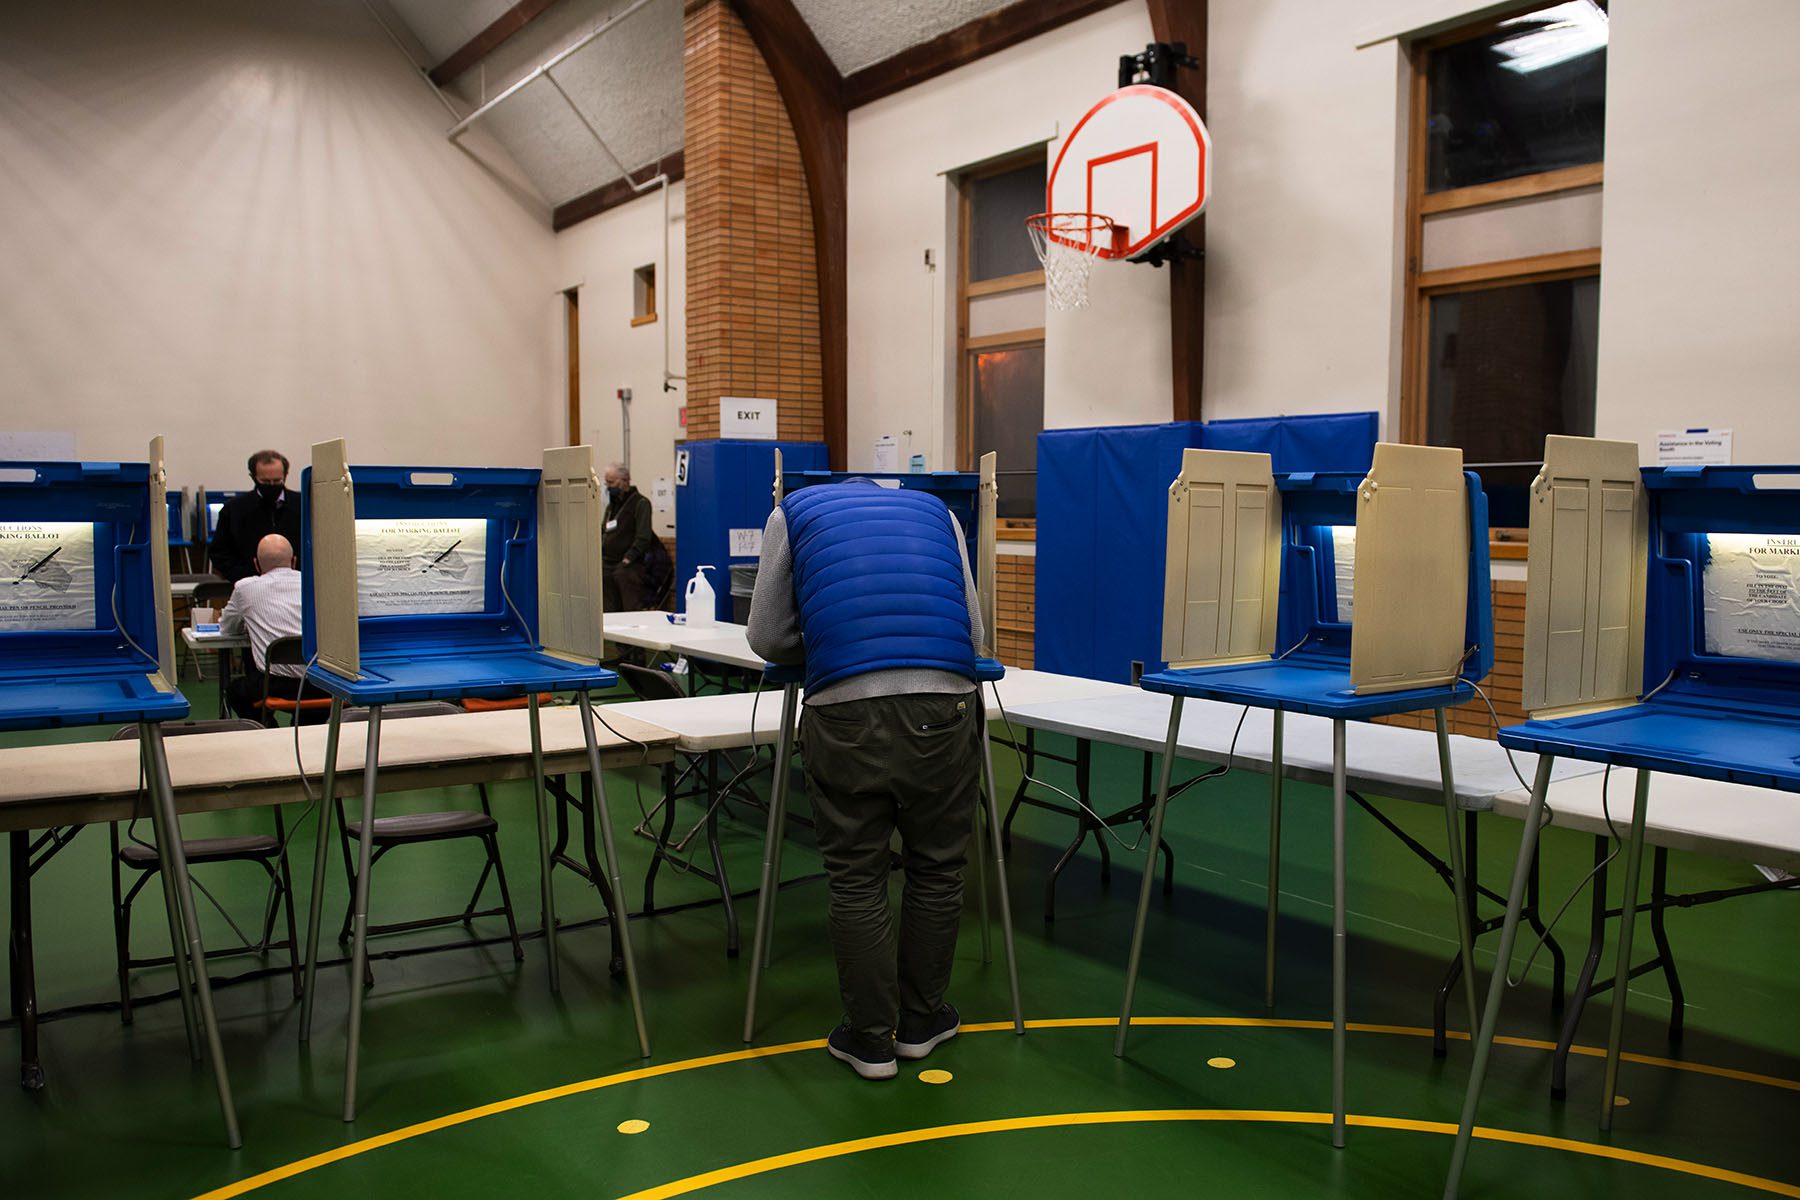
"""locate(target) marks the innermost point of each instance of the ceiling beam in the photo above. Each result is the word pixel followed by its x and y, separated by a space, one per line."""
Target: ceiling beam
pixel 966 43
pixel 812 91
pixel 488 40
pixel 1185 21
pixel 611 195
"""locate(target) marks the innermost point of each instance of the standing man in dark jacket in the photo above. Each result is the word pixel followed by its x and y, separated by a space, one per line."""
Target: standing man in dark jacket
pixel 870 588
pixel 247 518
pixel 625 540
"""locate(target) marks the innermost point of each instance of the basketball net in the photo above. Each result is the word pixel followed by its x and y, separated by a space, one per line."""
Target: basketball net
pixel 1067 243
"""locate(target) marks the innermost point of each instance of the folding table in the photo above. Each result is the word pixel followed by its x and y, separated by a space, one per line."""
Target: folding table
pixel 427 583
pixel 1686 579
pixel 85 639
pixel 1252 565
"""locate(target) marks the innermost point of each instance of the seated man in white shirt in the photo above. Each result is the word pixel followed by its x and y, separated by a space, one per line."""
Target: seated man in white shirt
pixel 266 606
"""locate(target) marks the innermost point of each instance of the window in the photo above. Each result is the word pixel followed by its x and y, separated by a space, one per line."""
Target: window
pixel 643 295
pixel 1000 327
pixel 1503 236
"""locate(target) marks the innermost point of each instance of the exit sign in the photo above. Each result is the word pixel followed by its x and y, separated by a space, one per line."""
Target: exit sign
pixel 745 417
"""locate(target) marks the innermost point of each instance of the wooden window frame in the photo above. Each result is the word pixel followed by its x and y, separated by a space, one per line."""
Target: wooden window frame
pixel 649 313
pixel 1421 286
pixel 966 346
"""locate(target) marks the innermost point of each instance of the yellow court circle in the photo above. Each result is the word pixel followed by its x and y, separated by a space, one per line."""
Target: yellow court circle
pixel 633 1126
pixel 1221 1063
pixel 935 1076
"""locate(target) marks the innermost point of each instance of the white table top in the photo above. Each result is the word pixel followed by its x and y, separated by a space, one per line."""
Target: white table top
pixel 702 723
pixel 1021 687
pixel 1382 759
pixel 643 628
pixel 719 642
pixel 1730 820
pixel 230 770
pixel 214 641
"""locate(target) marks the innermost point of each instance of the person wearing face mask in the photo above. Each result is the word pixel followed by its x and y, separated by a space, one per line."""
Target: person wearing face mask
pixel 624 541
pixel 248 517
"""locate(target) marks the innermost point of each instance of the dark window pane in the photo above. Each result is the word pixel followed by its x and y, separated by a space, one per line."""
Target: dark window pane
pixel 1511 364
pixel 1529 97
pixel 1008 387
pixel 998 206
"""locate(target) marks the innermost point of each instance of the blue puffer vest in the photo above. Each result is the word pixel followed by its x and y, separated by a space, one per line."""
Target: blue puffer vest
pixel 879 581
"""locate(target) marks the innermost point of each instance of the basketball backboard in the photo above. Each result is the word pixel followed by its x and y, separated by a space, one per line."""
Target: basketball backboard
pixel 1142 158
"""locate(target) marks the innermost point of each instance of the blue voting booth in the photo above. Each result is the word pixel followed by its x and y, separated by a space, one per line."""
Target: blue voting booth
pixel 1710 585
pixel 85 639
pixel 724 490
pixel 427 583
pixel 1237 537
pixel 1101 494
pixel 178 527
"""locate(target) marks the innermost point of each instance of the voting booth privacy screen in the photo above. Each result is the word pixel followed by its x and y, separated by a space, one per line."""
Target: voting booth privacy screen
pixel 724 492
pixel 1102 520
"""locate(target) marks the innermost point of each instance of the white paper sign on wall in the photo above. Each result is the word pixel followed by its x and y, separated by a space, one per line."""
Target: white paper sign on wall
pixel 747 417
pixel 46 575
pixel 887 453
pixel 421 566
pixel 662 503
pixel 746 543
pixel 681 468
pixel 1693 447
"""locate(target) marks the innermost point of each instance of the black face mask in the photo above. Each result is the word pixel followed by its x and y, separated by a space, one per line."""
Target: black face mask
pixel 613 494
pixel 270 492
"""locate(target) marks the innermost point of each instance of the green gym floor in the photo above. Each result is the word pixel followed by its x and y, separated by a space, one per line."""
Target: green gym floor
pixel 476 1081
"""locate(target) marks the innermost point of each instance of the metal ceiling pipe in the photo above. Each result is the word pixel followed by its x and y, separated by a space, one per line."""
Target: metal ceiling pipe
pixel 541 70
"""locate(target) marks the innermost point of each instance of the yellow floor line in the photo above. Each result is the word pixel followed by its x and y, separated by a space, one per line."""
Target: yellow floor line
pixel 776 1162
pixel 406 1133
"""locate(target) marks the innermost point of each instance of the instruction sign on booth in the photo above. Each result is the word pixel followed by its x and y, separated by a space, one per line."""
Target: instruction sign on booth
pixel 46 575
pixel 421 566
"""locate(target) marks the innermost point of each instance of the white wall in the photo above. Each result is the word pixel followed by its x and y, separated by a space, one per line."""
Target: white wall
pixel 1700 274
pixel 238 222
pixel 599 255
pixel 1106 365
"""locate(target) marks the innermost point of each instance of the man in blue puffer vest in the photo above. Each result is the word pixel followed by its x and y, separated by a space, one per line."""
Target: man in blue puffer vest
pixel 870 588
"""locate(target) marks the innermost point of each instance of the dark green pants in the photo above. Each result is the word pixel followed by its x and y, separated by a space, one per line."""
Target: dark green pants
pixel 906 763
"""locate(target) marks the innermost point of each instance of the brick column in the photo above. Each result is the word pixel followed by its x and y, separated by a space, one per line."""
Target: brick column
pixel 752 279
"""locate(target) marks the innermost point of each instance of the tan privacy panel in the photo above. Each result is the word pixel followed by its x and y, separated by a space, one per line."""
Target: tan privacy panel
pixel 1584 592
pixel 987 548
pixel 776 493
pixel 159 566
pixel 570 600
pixel 1411 589
pixel 332 515
pixel 1224 559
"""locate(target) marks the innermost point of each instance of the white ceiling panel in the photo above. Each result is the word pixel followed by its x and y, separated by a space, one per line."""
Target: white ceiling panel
pixel 861 33
pixel 444 26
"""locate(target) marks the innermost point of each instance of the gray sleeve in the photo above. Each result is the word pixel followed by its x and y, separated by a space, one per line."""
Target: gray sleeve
pixel 774 629
pixel 969 593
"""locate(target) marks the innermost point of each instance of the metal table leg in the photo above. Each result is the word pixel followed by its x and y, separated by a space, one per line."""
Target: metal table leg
pixel 24 973
pixel 1339 937
pixel 359 920
pixel 173 861
pixel 543 831
pixel 999 852
pixel 1465 935
pixel 1490 1013
pixel 1148 882
pixel 1274 902
pixel 1634 861
pixel 765 896
pixel 621 922
pixel 326 811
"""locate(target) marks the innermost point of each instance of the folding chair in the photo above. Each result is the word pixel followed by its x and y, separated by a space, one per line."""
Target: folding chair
pixel 266 851
pixel 286 652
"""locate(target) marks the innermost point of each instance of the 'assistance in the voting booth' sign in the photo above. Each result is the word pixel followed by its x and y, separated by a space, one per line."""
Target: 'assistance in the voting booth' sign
pixel 421 566
pixel 46 575
pixel 1751 591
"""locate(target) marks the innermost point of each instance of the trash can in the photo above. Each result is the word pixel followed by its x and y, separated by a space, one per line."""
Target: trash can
pixel 743 586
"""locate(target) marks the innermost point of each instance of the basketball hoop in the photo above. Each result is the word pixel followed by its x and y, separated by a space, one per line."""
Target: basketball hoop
pixel 1067 243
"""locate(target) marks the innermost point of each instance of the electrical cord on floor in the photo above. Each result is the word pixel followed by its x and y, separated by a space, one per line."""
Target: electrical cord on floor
pixel 1132 847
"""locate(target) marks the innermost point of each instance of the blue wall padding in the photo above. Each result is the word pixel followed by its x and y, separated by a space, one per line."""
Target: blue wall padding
pixel 1102 525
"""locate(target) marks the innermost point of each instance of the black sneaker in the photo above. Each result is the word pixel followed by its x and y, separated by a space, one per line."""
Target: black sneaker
pixel 919 1036
pixel 869 1057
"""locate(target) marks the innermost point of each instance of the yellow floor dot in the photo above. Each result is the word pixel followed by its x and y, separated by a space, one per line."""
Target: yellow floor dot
pixel 1621 1101
pixel 633 1126
pixel 935 1076
pixel 1223 1064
